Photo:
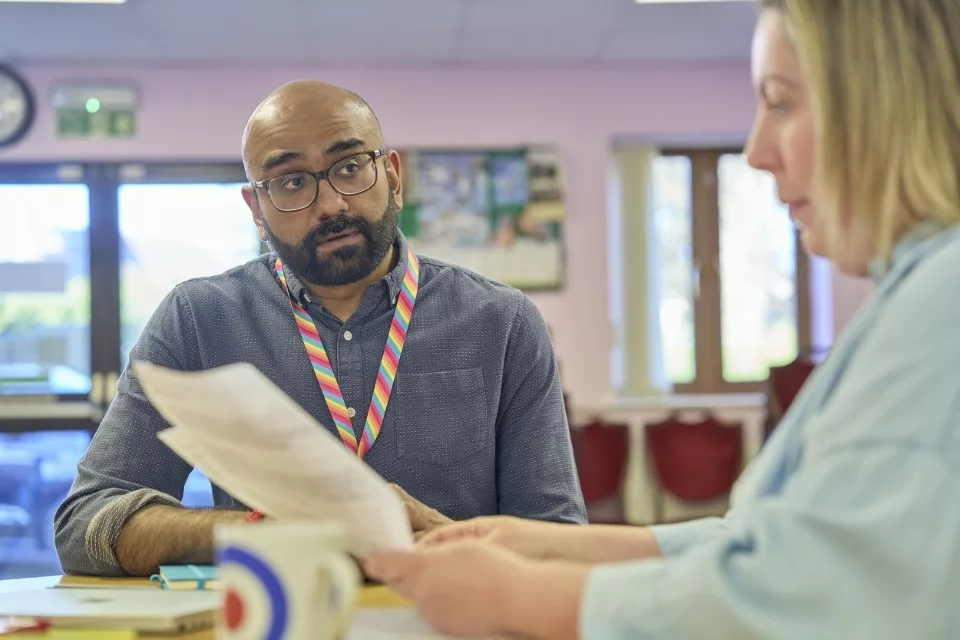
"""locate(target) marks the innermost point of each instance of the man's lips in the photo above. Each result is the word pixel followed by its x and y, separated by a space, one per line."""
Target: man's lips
pixel 338 238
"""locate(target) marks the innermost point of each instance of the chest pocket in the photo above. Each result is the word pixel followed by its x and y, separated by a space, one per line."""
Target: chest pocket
pixel 441 416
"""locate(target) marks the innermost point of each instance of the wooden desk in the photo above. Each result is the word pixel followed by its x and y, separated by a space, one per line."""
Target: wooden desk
pixel 370 597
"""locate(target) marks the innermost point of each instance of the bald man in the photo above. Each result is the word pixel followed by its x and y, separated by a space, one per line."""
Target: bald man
pixel 474 424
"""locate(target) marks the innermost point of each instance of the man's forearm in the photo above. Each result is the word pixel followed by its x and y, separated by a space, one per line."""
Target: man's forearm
pixel 161 534
pixel 600 543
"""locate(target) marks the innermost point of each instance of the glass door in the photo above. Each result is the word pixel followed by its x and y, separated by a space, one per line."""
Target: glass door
pixel 48 370
pixel 89 252
pixel 45 290
pixel 50 298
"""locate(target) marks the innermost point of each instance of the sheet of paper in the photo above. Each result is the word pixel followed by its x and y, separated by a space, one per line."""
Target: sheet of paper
pixel 256 443
pixel 391 624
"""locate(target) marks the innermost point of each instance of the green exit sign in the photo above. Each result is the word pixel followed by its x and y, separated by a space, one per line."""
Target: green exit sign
pixel 82 123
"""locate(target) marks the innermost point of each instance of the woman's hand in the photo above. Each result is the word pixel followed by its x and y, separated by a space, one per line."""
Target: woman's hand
pixel 537 540
pixel 529 538
pixel 469 588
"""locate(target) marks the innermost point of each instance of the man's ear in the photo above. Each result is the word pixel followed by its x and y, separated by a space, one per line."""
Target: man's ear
pixel 253 203
pixel 393 177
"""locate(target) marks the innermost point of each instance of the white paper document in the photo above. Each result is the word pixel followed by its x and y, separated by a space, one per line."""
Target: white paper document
pixel 259 445
pixel 392 624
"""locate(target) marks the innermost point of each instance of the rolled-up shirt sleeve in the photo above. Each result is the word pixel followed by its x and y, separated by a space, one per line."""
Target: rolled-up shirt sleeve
pixel 126 466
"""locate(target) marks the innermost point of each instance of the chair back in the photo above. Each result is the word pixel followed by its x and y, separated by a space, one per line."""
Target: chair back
pixel 787 380
pixel 601 450
pixel 783 386
pixel 696 461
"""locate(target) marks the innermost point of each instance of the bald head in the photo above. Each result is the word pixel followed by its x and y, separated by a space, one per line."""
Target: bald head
pixel 309 107
pixel 326 193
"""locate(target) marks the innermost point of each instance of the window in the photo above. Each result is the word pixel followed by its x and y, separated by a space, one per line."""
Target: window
pixel 672 218
pixel 173 232
pixel 44 290
pixel 733 287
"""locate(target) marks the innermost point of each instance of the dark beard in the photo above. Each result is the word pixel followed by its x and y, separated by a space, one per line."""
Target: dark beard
pixel 345 265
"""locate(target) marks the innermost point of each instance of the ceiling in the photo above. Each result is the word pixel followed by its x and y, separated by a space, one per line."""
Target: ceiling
pixel 375 32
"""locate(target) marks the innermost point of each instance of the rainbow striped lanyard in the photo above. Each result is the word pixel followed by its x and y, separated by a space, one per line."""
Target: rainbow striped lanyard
pixel 388 363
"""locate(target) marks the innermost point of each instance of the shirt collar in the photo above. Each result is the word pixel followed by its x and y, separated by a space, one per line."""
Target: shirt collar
pixel 903 249
pixel 393 280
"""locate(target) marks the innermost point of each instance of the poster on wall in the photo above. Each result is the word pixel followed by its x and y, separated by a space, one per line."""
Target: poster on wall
pixel 498 212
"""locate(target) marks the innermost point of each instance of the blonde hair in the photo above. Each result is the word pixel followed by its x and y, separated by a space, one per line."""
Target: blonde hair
pixel 884 82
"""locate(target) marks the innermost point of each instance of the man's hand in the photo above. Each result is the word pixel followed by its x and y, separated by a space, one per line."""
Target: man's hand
pixel 423 519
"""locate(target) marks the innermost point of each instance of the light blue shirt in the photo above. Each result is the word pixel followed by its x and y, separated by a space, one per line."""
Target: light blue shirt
pixel 847 524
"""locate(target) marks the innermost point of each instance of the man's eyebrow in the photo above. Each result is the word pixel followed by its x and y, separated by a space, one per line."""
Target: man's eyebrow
pixel 347 144
pixel 279 159
pixel 283 157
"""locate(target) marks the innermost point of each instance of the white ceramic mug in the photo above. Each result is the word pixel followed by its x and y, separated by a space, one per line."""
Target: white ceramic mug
pixel 284 581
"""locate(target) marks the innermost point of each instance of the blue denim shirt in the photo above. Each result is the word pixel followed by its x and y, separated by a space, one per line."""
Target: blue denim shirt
pixel 475 426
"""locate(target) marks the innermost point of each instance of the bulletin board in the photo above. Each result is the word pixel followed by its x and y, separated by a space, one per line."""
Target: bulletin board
pixel 498 212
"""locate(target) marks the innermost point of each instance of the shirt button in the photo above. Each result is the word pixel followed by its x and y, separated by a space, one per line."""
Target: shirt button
pixel 347 336
pixel 351 412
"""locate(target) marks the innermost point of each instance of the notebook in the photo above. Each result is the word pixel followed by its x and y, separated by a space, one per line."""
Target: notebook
pixel 189 577
pixel 145 610
pixel 96 582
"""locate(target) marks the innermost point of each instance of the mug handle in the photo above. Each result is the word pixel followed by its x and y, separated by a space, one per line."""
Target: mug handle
pixel 345 580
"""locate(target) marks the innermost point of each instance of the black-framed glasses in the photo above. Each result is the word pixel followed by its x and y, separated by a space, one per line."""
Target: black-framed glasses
pixel 298 190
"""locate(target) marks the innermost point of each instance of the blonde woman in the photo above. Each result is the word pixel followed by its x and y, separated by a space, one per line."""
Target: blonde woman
pixel 848 523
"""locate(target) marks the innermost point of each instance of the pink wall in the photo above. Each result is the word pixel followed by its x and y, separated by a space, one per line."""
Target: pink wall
pixel 198 114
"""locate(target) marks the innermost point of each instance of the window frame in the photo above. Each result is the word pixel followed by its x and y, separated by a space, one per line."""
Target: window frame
pixel 705 236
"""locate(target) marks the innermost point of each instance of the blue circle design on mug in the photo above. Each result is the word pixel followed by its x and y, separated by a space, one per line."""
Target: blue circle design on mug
pixel 271 584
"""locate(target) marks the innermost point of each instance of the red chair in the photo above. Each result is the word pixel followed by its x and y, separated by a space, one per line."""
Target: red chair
pixel 783 385
pixel 601 450
pixel 694 461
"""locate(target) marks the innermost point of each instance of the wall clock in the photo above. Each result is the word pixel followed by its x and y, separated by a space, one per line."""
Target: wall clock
pixel 16 107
